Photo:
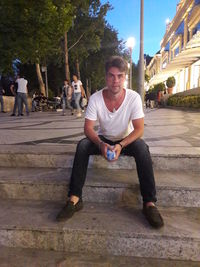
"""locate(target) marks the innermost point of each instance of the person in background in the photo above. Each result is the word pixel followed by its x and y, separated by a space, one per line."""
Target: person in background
pixel 78 91
pixel 2 91
pixel 22 92
pixel 66 97
pixel 13 89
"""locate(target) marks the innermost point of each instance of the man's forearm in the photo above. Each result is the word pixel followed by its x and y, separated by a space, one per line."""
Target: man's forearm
pixel 92 135
pixel 137 133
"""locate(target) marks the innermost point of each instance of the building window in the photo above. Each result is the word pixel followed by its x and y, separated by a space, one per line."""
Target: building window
pixel 176 51
pixel 180 29
pixel 167 47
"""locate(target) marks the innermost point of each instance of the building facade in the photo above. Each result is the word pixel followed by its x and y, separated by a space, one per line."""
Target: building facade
pixel 179 55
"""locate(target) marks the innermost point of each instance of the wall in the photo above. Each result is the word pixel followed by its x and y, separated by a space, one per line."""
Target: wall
pixel 9 103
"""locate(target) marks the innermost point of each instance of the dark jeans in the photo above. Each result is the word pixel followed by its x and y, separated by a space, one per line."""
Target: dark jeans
pixel 138 149
pixel 22 98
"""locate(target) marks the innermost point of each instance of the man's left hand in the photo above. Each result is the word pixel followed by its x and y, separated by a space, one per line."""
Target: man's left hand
pixel 117 148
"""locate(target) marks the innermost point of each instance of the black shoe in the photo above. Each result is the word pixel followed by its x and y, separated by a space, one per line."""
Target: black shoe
pixel 12 114
pixel 68 210
pixel 153 216
pixel 22 114
pixel 3 111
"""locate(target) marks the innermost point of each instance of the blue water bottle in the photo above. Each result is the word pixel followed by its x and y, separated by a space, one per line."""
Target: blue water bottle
pixel 110 154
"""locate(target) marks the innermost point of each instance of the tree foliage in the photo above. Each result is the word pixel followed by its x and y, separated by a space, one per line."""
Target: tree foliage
pixel 31 30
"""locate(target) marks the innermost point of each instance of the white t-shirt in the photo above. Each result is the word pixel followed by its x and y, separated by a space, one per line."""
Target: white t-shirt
pixel 115 125
pixel 77 86
pixel 22 85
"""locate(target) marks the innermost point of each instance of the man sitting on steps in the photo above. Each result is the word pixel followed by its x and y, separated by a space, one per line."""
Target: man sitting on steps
pixel 121 125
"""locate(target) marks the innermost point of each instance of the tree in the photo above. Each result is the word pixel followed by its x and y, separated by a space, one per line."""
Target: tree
pixel 32 30
pixel 93 67
pixel 86 34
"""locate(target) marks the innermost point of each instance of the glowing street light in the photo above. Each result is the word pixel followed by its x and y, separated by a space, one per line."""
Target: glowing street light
pixel 130 44
pixel 167 21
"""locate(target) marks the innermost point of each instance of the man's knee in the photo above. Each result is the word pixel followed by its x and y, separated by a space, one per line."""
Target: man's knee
pixel 139 148
pixel 83 145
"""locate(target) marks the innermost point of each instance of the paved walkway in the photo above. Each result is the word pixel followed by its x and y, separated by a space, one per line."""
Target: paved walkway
pixel 173 130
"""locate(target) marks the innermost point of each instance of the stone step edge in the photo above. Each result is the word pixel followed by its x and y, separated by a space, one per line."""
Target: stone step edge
pixel 127 195
pixel 70 149
pixel 101 241
pixel 52 258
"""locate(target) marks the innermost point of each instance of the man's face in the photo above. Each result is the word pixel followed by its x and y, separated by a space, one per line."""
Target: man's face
pixel 115 80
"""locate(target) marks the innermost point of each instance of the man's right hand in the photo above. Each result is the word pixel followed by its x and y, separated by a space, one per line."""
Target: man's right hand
pixel 103 148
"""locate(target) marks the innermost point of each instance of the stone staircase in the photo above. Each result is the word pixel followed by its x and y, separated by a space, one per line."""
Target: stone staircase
pixel 111 229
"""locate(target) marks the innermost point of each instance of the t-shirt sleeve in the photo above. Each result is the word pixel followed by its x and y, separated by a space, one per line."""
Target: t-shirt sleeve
pixel 80 83
pixel 91 111
pixel 137 110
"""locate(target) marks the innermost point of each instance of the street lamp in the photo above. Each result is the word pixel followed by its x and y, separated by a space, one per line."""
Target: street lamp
pixel 130 44
pixel 141 62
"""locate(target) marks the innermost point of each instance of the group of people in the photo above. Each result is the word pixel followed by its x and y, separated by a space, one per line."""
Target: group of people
pixel 19 90
pixel 72 96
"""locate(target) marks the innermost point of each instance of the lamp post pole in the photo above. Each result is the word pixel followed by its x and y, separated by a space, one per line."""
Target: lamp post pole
pixel 141 62
pixel 130 86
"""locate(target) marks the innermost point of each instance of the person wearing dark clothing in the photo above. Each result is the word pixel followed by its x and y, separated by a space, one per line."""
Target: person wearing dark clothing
pixel 13 89
pixel 1 97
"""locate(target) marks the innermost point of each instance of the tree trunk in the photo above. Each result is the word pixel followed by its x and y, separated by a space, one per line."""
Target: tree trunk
pixel 40 80
pixel 87 89
pixel 78 69
pixel 67 73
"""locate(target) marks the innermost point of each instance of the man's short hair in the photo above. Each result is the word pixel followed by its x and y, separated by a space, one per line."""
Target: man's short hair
pixel 117 62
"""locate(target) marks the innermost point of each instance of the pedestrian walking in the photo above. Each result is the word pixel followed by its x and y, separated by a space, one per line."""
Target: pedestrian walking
pixel 120 115
pixel 66 97
pixel 78 91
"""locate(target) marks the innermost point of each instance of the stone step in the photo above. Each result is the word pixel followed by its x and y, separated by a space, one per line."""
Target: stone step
pixel 101 229
pixel 61 156
pixel 174 188
pixel 23 257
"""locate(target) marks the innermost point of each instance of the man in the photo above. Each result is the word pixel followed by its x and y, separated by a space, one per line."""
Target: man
pixel 22 95
pixel 121 125
pixel 13 89
pixel 78 91
pixel 2 91
pixel 66 97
